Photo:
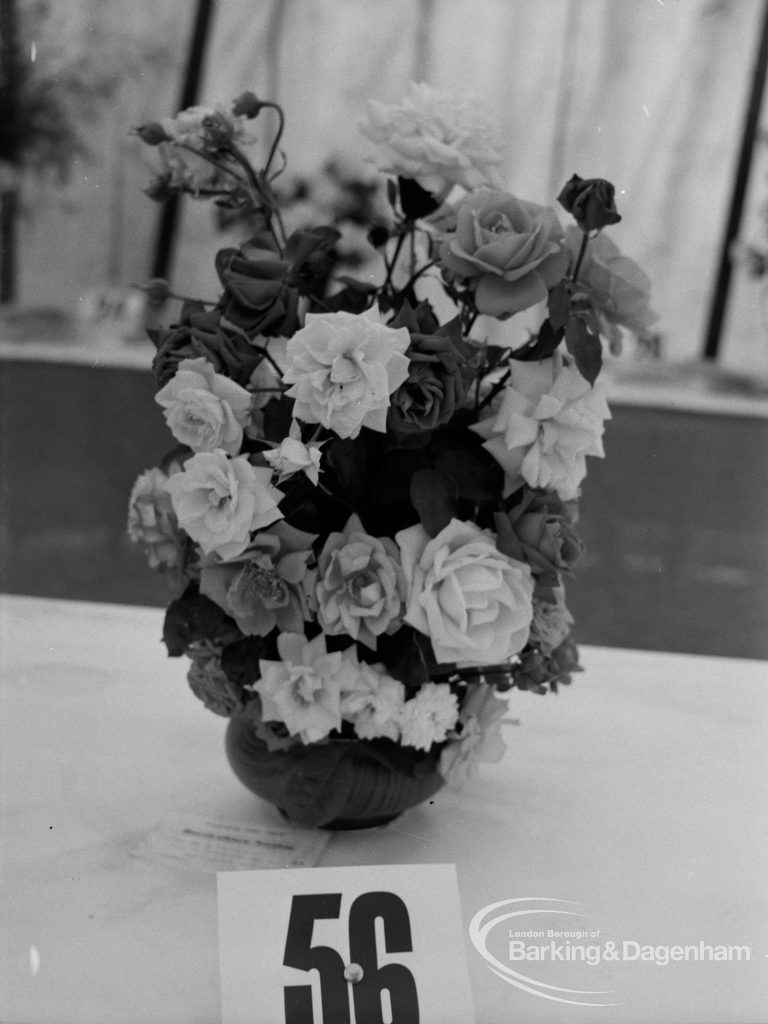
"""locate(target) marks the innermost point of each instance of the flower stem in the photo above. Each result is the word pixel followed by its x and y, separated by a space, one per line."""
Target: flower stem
pixel 580 257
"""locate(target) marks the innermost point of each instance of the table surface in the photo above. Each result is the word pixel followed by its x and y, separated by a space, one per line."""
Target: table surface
pixel 640 793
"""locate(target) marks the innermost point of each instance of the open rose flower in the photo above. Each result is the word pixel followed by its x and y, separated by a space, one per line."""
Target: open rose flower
pixel 508 249
pixel 200 333
pixel 207 127
pixel 303 689
pixel 360 589
pixel 551 621
pixel 152 522
pixel 209 682
pixel 204 409
pixel 435 138
pixel 549 419
pixel 343 369
pixel 478 735
pixel 267 585
pixel 220 501
pixel 538 530
pixel 375 705
pixel 614 285
pixel 428 717
pixel 439 376
pixel 472 601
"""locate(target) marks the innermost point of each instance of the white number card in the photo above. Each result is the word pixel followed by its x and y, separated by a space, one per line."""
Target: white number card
pixel 351 945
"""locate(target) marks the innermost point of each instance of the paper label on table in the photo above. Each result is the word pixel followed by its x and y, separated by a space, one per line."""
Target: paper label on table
pixel 343 945
pixel 205 844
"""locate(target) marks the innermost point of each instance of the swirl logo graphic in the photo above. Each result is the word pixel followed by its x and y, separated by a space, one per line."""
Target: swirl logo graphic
pixel 517 910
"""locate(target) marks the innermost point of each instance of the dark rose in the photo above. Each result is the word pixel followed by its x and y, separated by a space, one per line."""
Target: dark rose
pixel 539 531
pixel 209 682
pixel 262 287
pixel 200 333
pixel 257 296
pixel 590 201
pixel 438 377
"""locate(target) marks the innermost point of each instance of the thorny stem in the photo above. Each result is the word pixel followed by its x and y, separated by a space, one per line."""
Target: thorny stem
pixel 497 387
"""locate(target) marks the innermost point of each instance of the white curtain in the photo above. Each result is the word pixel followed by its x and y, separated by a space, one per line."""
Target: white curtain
pixel 648 94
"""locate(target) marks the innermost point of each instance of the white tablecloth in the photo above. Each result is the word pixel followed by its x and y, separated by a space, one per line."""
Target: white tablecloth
pixel 640 793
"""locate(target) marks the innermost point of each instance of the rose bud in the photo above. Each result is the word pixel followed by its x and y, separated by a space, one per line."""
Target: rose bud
pixel 590 201
pixel 246 105
pixel 157 290
pixel 152 133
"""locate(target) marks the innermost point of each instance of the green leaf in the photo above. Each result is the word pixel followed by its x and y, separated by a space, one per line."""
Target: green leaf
pixel 585 348
pixel 348 459
pixel 391 481
pixel 478 477
pixel 404 657
pixel 193 617
pixel 559 305
pixel 435 497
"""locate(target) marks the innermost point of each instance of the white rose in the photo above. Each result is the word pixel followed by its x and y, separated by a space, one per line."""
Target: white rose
pixel 303 689
pixel 435 138
pixel 343 369
pixel 221 501
pixel 549 419
pixel 205 410
pixel 472 601
pixel 374 705
pixel 480 738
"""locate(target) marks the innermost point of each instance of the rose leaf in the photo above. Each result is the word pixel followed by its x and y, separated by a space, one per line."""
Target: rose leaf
pixel 585 348
pixel 435 497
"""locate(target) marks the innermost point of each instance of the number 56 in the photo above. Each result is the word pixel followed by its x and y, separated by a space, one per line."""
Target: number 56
pixel 394 979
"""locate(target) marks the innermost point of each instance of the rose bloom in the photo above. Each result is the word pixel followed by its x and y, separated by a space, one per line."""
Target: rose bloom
pixel 438 378
pixel 343 369
pixel 201 333
pixel 375 705
pixel 221 501
pixel 303 689
pixel 187 170
pixel 542 534
pixel 435 138
pixel 293 456
pixel 472 601
pixel 509 250
pixel 201 127
pixel 204 409
pixel 551 621
pixel 549 419
pixel 360 589
pixel 265 586
pixel 428 717
pixel 209 682
pixel 616 287
pixel 479 735
pixel 152 521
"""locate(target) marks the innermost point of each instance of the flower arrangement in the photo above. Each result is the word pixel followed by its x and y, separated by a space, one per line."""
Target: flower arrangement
pixel 371 511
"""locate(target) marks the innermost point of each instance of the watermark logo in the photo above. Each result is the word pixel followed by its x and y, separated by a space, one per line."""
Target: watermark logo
pixel 511 913
pixel 515 935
